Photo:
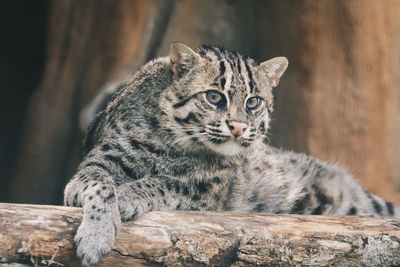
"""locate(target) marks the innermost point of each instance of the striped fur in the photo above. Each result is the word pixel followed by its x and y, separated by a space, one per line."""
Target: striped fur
pixel 165 141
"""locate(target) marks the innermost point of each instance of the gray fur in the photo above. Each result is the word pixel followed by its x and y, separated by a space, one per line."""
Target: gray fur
pixel 161 145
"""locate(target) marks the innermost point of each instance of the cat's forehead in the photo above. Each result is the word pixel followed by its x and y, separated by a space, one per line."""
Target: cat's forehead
pixel 222 53
pixel 232 72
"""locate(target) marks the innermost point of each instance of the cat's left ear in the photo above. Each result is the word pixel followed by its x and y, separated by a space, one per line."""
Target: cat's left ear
pixel 274 68
pixel 183 58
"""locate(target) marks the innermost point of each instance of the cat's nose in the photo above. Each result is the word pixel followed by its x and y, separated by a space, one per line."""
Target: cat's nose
pixel 237 128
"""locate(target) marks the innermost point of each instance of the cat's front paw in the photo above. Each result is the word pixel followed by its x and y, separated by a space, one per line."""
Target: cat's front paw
pixel 129 205
pixel 94 240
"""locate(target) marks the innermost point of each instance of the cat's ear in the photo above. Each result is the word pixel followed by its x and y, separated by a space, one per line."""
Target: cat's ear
pixel 274 68
pixel 183 58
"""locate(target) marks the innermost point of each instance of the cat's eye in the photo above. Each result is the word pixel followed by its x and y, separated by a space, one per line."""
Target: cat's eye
pixel 253 103
pixel 215 98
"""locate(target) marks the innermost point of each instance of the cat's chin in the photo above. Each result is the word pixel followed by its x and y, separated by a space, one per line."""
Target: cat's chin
pixel 230 148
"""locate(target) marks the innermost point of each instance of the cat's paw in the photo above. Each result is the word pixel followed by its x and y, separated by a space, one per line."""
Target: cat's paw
pixel 129 205
pixel 94 240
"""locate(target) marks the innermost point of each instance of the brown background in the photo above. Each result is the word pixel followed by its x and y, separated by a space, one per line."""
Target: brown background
pixel 339 99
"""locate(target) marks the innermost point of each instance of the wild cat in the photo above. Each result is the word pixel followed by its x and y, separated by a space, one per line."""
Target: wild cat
pixel 188 132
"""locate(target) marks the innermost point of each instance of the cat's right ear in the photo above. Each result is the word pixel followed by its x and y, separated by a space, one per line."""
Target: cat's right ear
pixel 274 68
pixel 183 58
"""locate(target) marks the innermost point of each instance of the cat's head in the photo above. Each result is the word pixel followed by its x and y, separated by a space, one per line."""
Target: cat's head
pixel 220 99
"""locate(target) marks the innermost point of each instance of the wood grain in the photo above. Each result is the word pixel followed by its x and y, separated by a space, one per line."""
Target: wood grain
pixel 36 234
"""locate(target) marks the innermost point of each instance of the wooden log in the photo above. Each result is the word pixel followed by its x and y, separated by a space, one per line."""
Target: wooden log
pixel 38 234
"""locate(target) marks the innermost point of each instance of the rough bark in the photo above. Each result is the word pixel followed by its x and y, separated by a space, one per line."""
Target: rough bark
pixel 22 49
pixel 33 234
pixel 339 99
pixel 89 43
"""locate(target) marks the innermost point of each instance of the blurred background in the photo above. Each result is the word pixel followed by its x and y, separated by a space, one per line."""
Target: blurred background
pixel 339 100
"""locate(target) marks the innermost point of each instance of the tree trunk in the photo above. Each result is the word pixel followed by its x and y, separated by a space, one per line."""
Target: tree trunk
pixel 89 44
pixel 44 235
pixel 339 100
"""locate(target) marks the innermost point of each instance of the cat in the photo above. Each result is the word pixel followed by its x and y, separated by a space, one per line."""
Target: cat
pixel 189 132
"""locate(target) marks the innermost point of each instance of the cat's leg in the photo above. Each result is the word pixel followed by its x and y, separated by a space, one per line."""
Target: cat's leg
pixel 300 184
pixel 93 189
pixel 147 194
pixel 329 190
pixel 337 193
pixel 168 193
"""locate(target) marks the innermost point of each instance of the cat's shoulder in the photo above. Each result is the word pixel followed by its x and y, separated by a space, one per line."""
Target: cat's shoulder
pixel 154 68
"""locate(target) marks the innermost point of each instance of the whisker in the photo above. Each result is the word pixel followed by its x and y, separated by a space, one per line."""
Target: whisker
pixel 217 130
pixel 219 135
pixel 183 139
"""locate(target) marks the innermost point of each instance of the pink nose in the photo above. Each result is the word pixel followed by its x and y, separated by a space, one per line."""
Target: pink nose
pixel 237 128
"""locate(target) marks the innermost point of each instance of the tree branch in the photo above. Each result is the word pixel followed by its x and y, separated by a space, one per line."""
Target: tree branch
pixel 38 234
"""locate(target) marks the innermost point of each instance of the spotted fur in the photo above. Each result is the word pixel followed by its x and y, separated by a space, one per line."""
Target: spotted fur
pixel 165 141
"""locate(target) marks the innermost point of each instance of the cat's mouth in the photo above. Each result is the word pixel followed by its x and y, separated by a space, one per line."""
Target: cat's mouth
pixel 228 145
pixel 214 139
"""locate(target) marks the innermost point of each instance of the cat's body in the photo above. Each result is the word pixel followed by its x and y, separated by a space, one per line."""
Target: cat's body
pixel 188 132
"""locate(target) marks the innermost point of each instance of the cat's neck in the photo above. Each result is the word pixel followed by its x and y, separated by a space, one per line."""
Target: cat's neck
pixel 203 156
